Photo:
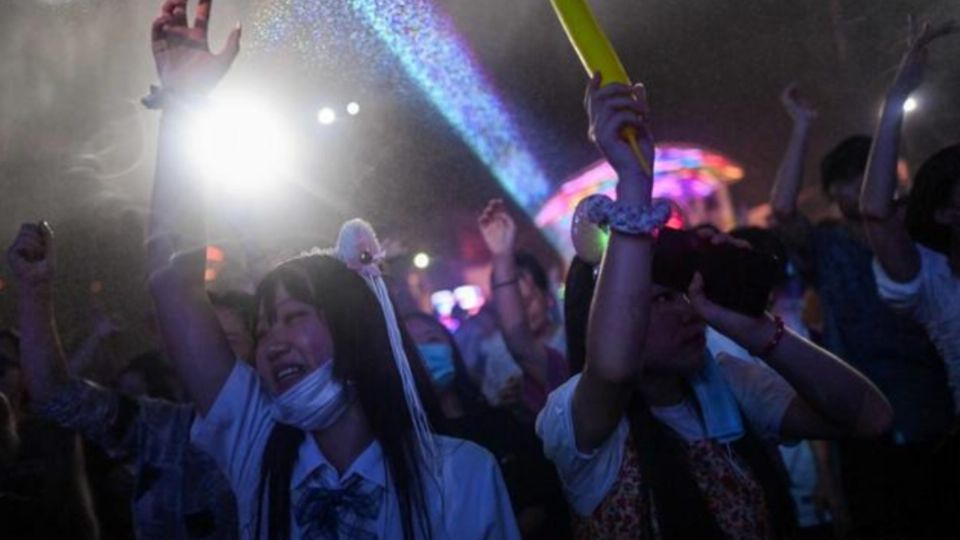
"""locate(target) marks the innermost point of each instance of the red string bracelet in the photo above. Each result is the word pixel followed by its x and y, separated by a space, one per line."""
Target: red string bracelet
pixel 775 340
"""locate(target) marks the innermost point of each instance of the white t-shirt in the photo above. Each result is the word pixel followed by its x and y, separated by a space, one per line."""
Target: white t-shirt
pixel 472 504
pixel 798 458
pixel 933 300
pixel 588 477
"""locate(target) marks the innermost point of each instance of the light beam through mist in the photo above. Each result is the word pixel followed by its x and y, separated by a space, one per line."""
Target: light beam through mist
pixel 436 58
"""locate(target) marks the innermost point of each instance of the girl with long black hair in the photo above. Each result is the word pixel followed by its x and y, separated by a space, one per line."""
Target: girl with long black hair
pixel 655 439
pixel 329 434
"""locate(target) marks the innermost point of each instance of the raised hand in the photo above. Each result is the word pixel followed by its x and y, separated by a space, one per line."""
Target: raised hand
pixel 32 256
pixel 498 228
pixel 182 54
pixel 799 109
pixel 612 109
pixel 914 62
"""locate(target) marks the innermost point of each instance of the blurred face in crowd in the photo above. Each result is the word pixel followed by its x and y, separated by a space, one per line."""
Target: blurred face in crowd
pixel 676 336
pixel 241 342
pixel 846 193
pixel 536 304
pixel 296 342
pixel 948 213
pixel 436 350
pixel 424 333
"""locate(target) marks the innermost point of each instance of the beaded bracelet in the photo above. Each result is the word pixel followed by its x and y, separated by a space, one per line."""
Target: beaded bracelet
pixel 505 283
pixel 632 220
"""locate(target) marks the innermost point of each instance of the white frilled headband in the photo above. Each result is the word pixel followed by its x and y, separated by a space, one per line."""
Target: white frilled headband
pixel 359 249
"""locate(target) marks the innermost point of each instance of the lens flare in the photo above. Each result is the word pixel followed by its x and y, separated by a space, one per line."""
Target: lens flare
pixel 421 261
pixel 240 146
pixel 426 44
pixel 326 116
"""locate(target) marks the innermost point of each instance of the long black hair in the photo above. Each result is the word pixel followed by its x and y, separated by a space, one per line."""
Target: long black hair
pixel 363 356
pixel 682 511
pixel 932 190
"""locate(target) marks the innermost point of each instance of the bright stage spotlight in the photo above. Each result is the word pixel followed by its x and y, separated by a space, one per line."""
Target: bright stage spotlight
pixel 240 146
pixel 326 116
pixel 421 261
pixel 910 105
pixel 353 108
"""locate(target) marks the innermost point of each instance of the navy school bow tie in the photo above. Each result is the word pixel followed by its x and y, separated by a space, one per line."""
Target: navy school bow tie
pixel 333 514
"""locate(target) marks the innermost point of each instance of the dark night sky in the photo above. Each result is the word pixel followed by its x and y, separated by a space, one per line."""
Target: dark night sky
pixel 75 148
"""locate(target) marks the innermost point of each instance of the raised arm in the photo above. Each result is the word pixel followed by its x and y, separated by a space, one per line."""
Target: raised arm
pixel 834 400
pixel 499 232
pixel 621 304
pixel 793 225
pixel 191 334
pixel 789 180
pixel 885 228
pixel 32 258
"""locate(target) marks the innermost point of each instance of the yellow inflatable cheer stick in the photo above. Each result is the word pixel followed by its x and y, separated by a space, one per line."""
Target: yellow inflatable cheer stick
pixel 597 54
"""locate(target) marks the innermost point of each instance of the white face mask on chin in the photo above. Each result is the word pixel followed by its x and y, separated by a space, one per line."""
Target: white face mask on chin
pixel 314 403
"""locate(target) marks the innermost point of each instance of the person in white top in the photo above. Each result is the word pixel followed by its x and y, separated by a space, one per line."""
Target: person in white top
pixel 329 434
pixel 917 262
pixel 649 440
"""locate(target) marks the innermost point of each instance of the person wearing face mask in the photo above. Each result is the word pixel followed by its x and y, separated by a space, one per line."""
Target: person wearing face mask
pixel 655 438
pixel 524 357
pixel 531 480
pixel 329 434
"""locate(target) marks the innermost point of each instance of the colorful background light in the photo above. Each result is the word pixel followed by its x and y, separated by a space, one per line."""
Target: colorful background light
pixel 693 177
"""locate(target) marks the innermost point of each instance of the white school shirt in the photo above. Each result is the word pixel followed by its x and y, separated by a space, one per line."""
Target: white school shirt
pixel 588 477
pixel 473 503
pixel 798 458
pixel 933 300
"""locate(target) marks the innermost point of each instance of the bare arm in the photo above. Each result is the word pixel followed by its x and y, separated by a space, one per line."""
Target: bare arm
pixel 834 400
pixel 191 334
pixel 789 180
pixel 32 257
pixel 621 304
pixel 828 495
pixel 499 233
pixel 885 230
pixel 794 227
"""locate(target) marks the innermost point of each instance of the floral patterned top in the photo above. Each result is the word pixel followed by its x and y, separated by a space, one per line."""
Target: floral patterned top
pixel 604 485
pixel 733 496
